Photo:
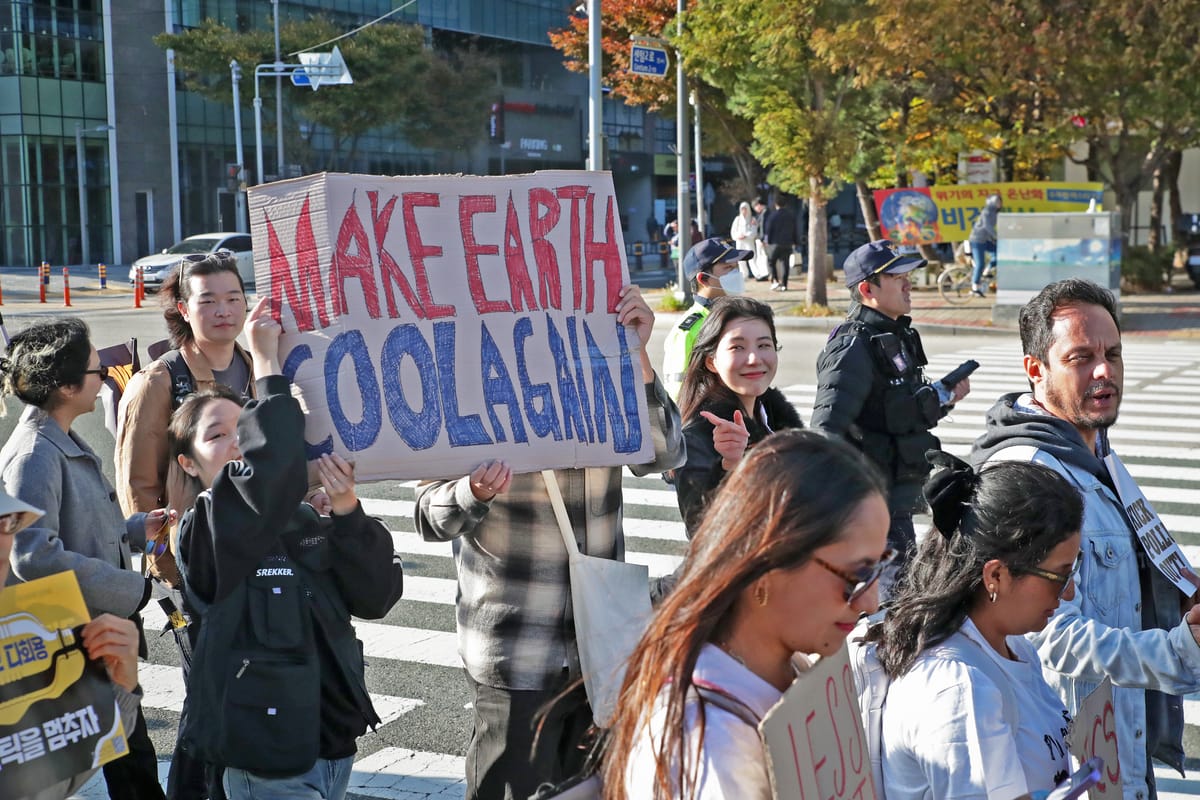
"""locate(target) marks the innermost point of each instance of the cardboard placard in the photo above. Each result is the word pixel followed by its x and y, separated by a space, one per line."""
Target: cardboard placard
pixel 435 322
pixel 1163 550
pixel 815 744
pixel 58 714
pixel 1094 733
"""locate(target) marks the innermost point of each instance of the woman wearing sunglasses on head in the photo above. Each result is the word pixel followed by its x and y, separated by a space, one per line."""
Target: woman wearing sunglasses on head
pixel 968 713
pixel 53 368
pixel 783 565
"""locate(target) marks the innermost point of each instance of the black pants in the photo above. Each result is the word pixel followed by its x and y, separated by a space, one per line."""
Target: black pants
pixel 502 762
pixel 135 776
pixel 779 262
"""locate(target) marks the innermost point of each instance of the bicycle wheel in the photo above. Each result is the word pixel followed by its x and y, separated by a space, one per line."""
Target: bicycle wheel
pixel 954 284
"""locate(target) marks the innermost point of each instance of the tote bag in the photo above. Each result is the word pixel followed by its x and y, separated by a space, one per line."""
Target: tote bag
pixel 611 602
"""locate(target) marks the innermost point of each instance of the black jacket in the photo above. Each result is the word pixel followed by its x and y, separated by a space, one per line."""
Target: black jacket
pixel 780 228
pixel 254 556
pixel 883 405
pixel 697 479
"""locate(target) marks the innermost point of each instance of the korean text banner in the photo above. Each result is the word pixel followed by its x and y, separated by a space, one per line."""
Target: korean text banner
pixel 58 714
pixel 931 214
pixel 433 323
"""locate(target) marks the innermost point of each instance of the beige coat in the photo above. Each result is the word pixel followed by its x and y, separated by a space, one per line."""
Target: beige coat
pixel 145 410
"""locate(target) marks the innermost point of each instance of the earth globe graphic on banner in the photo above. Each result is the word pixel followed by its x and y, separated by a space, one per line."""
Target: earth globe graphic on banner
pixel 909 216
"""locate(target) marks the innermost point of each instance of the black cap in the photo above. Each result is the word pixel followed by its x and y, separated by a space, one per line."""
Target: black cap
pixel 708 253
pixel 878 257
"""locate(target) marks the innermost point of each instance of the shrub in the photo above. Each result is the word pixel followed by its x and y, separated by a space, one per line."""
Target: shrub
pixel 1145 269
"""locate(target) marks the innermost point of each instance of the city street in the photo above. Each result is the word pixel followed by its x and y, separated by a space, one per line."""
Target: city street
pixel 413 668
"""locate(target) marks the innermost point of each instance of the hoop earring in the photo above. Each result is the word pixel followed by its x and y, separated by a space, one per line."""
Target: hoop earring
pixel 992 589
pixel 760 593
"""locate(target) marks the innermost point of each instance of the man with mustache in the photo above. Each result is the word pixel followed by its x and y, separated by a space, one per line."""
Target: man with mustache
pixel 1126 621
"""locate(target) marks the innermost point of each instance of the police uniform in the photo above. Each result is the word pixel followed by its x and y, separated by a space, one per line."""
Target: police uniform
pixel 872 390
pixel 677 350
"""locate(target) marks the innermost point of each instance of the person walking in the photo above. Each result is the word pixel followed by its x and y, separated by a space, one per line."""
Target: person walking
pixel 779 234
pixel 983 241
pixel 872 389
pixel 744 232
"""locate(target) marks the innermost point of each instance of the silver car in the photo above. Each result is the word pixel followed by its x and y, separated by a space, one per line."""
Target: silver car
pixel 155 268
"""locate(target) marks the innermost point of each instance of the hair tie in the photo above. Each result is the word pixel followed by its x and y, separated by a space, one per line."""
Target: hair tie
pixel 949 490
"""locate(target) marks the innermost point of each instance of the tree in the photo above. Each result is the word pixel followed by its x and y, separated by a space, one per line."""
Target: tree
pixel 434 100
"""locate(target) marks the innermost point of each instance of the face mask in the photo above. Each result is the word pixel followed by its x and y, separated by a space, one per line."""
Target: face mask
pixel 732 282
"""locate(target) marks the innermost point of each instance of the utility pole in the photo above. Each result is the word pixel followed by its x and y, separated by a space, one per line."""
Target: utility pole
pixel 239 196
pixel 278 102
pixel 683 197
pixel 595 96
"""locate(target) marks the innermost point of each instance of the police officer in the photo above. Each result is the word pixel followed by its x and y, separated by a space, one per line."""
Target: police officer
pixel 871 386
pixel 711 267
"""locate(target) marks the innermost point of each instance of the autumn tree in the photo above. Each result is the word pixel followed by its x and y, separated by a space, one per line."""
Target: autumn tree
pixel 434 100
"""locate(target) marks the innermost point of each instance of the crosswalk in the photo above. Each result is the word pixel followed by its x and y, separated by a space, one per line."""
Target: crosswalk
pixel 414 672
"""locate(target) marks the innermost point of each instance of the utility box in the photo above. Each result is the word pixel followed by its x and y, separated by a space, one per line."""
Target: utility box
pixel 1037 249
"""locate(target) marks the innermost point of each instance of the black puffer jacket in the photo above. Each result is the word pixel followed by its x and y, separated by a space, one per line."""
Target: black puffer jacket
pixel 699 477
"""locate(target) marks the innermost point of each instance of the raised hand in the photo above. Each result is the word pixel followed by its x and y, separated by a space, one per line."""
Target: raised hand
pixel 490 479
pixel 634 313
pixel 114 641
pixel 337 476
pixel 730 438
pixel 262 332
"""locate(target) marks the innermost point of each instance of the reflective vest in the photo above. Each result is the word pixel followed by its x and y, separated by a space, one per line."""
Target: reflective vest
pixel 677 350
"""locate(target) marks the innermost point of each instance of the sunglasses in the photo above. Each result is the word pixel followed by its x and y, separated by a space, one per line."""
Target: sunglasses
pixel 859 581
pixel 101 370
pixel 1057 577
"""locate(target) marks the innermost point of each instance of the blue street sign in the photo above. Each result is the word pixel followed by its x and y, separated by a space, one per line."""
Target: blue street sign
pixel 648 60
pixel 300 77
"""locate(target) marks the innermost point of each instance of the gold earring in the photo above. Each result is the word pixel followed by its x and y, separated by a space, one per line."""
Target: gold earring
pixel 992 589
pixel 760 593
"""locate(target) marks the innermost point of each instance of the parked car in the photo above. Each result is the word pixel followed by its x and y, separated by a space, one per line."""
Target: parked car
pixel 156 267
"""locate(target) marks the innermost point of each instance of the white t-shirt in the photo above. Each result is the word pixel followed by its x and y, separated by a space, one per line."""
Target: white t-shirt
pixel 946 734
pixel 732 761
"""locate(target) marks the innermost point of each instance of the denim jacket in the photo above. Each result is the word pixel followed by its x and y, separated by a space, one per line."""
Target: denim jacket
pixel 1099 632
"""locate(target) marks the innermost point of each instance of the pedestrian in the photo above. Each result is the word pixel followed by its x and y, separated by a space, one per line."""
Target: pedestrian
pixel 967 712
pixel 277 668
pixel 782 566
pixel 1129 622
pixel 107 639
pixel 53 368
pixel 727 403
pixel 779 234
pixel 744 232
pixel 515 637
pixel 204 307
pixel 711 267
pixel 983 241
pixel 759 266
pixel 872 389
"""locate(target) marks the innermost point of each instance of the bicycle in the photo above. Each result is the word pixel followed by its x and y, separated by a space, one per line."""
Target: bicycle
pixel 954 282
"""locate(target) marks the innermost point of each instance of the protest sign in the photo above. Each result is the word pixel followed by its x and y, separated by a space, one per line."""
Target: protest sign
pixel 432 323
pixel 1094 733
pixel 1164 552
pixel 814 737
pixel 929 214
pixel 58 715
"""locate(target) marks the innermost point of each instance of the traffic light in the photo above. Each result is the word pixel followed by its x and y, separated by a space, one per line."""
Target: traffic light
pixel 233 175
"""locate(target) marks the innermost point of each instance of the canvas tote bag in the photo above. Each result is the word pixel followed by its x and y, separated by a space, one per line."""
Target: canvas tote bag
pixel 611 602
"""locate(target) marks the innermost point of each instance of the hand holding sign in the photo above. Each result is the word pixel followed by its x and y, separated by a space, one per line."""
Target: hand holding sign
pixel 490 479
pixel 337 476
pixel 114 641
pixel 729 438
pixel 262 332
pixel 633 312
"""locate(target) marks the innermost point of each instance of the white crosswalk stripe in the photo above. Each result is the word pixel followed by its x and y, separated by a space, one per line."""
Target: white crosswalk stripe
pixel 1157 435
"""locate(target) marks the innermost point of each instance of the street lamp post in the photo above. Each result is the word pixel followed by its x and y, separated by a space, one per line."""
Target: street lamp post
pixel 240 195
pixel 79 174
pixel 683 198
pixel 278 97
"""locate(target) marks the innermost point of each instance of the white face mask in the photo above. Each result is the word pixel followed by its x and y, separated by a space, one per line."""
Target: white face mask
pixel 732 282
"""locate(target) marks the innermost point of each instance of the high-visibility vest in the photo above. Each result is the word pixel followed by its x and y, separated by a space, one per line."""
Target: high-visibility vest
pixel 677 350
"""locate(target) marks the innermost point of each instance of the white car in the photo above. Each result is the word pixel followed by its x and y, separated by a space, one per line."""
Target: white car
pixel 155 268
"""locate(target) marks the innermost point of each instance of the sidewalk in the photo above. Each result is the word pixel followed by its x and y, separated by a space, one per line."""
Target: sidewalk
pixel 1174 314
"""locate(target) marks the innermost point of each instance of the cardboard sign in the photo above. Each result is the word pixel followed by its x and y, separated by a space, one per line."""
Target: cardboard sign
pixel 58 715
pixel 816 747
pixel 928 214
pixel 1151 532
pixel 1094 733
pixel 433 323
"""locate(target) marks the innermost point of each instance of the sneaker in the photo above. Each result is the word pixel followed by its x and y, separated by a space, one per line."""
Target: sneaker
pixel 975 290
pixel 774 286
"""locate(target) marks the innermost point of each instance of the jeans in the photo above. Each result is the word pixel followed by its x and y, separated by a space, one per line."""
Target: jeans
pixel 326 780
pixel 502 762
pixel 981 252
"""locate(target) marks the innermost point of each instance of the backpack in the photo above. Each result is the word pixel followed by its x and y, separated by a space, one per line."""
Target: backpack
pixel 872 682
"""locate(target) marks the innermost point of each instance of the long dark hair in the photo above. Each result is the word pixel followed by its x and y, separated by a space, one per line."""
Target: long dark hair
pixel 803 487
pixel 43 357
pixel 1016 512
pixel 182 488
pixel 177 289
pixel 701 385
